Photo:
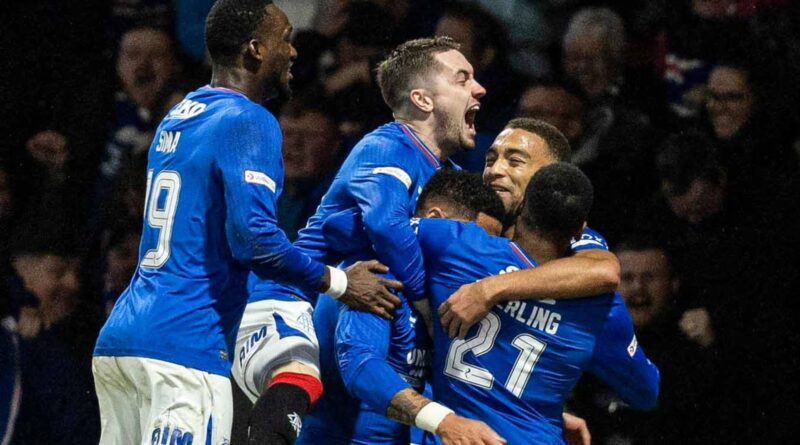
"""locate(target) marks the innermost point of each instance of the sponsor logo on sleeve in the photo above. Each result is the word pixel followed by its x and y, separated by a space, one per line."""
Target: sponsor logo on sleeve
pixel 254 177
pixel 394 172
pixel 186 109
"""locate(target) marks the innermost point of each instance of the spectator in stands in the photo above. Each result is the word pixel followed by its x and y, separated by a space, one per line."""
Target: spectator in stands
pixel 754 141
pixel 688 399
pixel 351 86
pixel 556 103
pixel 147 68
pixel 615 146
pixel 312 153
pixel 594 51
pixel 49 187
pixel 720 250
pixel 696 34
pixel 57 332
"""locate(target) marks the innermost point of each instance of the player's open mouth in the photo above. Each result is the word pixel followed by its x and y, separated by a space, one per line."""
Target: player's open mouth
pixel 499 189
pixel 469 118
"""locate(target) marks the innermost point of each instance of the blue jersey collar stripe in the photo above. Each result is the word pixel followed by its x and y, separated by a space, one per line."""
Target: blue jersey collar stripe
pixel 420 145
pixel 227 90
pixel 521 253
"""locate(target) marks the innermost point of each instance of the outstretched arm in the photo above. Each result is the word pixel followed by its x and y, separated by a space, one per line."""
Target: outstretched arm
pixel 587 272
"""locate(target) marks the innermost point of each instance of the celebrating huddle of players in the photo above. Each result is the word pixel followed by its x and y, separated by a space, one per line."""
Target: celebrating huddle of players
pixel 491 291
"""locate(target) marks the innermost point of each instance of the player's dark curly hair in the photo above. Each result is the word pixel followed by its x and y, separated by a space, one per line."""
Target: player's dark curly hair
pixel 557 201
pixel 405 64
pixel 230 24
pixel 557 143
pixel 465 192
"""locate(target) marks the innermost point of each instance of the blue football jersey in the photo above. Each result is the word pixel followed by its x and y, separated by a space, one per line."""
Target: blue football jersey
pixel 213 179
pixel 365 360
pixel 381 179
pixel 515 368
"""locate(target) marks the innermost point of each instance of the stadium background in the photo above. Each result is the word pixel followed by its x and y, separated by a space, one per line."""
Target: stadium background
pixel 683 113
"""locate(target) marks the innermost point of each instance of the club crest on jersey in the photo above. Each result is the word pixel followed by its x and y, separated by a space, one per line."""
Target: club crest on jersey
pixel 254 177
pixel 164 435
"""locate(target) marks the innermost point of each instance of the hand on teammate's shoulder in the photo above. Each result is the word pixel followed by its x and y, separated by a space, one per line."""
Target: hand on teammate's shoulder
pixel 369 292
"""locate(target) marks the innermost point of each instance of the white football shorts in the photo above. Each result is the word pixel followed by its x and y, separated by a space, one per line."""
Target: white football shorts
pixel 145 401
pixel 272 333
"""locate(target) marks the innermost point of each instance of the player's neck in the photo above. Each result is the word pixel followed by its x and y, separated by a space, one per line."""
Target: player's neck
pixel 238 80
pixel 425 132
pixel 541 248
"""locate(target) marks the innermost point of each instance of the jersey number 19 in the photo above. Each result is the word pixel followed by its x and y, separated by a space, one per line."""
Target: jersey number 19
pixel 160 205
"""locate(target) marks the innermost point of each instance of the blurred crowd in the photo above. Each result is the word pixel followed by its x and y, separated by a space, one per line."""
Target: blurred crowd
pixel 684 114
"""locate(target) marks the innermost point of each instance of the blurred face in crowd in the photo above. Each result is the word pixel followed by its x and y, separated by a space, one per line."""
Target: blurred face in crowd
pixel 730 101
pixel 512 160
pixel 646 284
pixel 712 9
pixel 274 37
pixel 700 201
pixel 145 65
pixel 311 146
pixel 555 106
pixel 461 31
pixel 455 101
pixel 586 62
pixel 51 278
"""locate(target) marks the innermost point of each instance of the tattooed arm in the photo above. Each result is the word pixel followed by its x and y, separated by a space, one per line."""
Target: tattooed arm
pixel 407 406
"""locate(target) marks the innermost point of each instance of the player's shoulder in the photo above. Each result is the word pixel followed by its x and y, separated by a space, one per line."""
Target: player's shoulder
pixel 387 141
pixel 590 239
pixel 437 234
pixel 230 107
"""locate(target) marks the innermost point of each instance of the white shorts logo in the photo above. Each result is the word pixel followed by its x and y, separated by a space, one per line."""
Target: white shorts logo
pixel 254 177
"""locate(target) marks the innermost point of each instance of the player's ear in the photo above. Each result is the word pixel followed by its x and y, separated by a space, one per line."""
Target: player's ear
pixel 421 99
pixel 255 50
pixel 435 212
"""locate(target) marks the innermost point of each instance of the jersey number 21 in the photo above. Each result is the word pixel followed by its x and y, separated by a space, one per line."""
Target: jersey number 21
pixel 530 349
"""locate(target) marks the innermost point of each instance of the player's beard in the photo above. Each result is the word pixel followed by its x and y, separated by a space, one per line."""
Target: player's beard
pixel 277 92
pixel 452 137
